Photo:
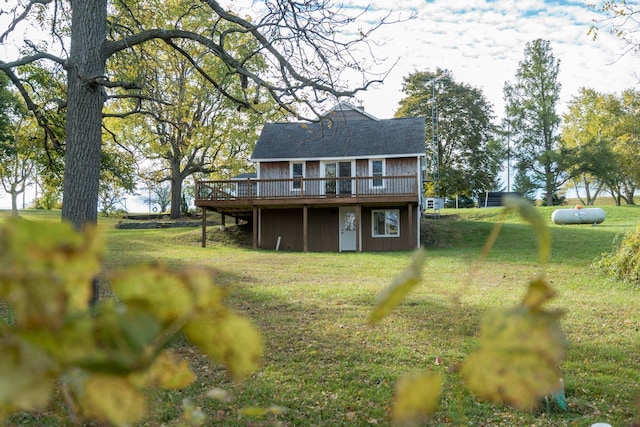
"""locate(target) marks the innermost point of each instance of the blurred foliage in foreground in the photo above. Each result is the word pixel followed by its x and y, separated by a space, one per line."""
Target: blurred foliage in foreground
pixel 519 350
pixel 103 356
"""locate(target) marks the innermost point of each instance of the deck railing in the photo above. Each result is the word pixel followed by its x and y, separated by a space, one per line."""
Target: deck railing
pixel 358 186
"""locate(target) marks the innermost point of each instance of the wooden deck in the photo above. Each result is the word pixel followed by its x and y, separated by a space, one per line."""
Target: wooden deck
pixel 238 197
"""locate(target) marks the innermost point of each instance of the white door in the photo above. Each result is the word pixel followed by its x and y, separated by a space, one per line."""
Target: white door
pixel 348 229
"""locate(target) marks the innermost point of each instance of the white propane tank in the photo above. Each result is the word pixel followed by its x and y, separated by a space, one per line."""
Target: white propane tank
pixel 578 216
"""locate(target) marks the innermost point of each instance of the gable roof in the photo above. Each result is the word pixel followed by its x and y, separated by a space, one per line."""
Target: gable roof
pixel 346 111
pixel 342 139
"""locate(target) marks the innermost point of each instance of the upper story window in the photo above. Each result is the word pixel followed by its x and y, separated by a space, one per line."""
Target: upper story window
pixel 297 173
pixel 376 169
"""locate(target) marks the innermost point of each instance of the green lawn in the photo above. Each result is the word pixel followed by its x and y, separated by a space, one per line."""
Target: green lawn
pixel 329 368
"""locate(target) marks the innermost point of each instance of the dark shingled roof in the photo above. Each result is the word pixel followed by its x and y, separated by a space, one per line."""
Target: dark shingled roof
pixel 341 139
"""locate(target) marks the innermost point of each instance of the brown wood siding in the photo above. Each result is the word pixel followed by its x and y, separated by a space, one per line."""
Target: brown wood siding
pixel 312 169
pixel 406 241
pixel 284 223
pixel 274 170
pixel 287 224
pixel 362 167
pixel 402 166
pixel 324 230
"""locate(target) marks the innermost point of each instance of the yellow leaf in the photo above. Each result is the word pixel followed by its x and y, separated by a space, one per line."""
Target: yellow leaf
pixel 167 371
pixel 529 212
pixel 155 289
pixel 393 294
pixel 518 357
pixel 227 338
pixel 520 329
pixel 538 293
pixel 257 412
pixel 518 378
pixel 46 270
pixel 111 398
pixel 26 377
pixel 416 397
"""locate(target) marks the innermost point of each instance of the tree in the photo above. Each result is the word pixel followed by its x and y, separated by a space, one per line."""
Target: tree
pixel 531 103
pixel 469 160
pixel 188 128
pixel 300 41
pixel 627 147
pixel 17 148
pixel 587 139
pixel 18 162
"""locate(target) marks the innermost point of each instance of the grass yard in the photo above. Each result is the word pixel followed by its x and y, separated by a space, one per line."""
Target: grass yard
pixel 327 367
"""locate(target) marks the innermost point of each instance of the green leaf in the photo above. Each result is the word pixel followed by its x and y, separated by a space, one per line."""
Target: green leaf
pixel 416 397
pixel 529 213
pixel 393 294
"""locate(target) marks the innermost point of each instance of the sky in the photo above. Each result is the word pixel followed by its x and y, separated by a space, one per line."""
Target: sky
pixel 481 42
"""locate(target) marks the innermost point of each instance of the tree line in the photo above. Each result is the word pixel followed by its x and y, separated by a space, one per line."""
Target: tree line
pixel 181 95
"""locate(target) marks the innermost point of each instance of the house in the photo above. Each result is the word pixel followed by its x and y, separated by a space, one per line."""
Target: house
pixel 349 182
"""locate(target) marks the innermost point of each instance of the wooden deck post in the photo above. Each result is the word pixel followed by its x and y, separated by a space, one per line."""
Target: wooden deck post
pixel 305 228
pixel 358 228
pixel 204 227
pixel 410 217
pixel 255 227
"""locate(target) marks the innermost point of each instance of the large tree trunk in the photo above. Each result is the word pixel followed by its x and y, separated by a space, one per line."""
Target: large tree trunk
pixel 176 197
pixel 85 100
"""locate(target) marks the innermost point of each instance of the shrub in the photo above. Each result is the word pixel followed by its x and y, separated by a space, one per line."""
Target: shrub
pixel 623 263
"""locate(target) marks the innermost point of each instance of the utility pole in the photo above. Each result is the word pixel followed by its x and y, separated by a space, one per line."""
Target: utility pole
pixel 435 154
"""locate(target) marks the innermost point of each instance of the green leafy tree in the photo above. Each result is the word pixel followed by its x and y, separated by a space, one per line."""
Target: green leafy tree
pixel 18 161
pixel 523 184
pixel 188 128
pixel 587 140
pixel 531 103
pixel 469 158
pixel 627 148
pixel 307 45
pixel 17 148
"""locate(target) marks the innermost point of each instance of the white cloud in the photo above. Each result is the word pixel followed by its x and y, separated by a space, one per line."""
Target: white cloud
pixel 483 41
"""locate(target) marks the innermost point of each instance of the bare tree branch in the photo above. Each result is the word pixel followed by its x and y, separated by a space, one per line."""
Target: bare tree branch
pixel 21 17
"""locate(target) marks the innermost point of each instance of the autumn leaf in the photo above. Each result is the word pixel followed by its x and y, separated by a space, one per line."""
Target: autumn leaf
pixel 111 398
pixel 416 397
pixel 393 294
pixel 156 289
pixel 167 371
pixel 538 292
pixel 228 338
pixel 26 377
pixel 518 357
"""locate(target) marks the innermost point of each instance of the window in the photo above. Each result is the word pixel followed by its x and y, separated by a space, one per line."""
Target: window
pixel 376 169
pixel 297 173
pixel 385 223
